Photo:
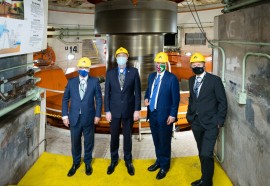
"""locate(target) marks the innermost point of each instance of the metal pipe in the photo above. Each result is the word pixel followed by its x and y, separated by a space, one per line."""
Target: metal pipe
pixel 28 143
pixel 34 96
pixel 242 95
pixel 223 62
pixel 241 42
pixel 169 65
pixel 57 91
pixel 27 64
pixel 30 72
pixel 220 160
pixel 244 66
pixel 239 5
pixel 55 110
pixel 28 134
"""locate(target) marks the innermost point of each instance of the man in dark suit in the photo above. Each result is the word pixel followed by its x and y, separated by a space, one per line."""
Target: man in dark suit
pixel 122 103
pixel 207 110
pixel 81 109
pixel 162 98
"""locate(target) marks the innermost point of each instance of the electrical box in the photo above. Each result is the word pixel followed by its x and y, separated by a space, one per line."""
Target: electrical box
pixel 242 98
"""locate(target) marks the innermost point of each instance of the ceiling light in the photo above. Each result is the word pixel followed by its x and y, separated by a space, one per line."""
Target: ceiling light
pixel 71 56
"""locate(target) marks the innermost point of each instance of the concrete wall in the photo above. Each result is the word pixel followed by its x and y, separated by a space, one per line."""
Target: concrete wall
pixel 14 161
pixel 247 129
pixel 14 144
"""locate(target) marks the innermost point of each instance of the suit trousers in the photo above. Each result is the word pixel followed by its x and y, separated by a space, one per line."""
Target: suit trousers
pixel 115 129
pixel 87 130
pixel 206 140
pixel 162 137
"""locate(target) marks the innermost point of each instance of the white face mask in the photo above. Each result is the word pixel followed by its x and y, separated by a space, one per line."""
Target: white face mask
pixel 121 60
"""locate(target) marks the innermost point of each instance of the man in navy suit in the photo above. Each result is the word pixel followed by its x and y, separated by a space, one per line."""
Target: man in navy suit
pixel 207 111
pixel 81 109
pixel 122 103
pixel 162 98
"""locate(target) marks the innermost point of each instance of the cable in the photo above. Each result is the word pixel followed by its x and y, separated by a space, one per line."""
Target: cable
pixel 194 18
pixel 197 15
pixel 199 25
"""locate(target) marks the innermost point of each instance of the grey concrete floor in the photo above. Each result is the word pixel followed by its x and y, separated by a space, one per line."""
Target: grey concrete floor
pixel 183 144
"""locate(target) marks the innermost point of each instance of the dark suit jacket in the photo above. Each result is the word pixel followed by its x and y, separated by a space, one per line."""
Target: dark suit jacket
pixel 122 103
pixel 90 105
pixel 211 105
pixel 168 96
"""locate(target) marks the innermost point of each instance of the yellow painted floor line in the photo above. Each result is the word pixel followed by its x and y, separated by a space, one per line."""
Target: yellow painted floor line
pixel 51 170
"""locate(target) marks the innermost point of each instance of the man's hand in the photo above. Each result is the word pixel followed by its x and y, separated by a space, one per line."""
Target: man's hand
pixel 108 116
pixel 66 122
pixel 170 120
pixel 97 119
pixel 146 102
pixel 136 115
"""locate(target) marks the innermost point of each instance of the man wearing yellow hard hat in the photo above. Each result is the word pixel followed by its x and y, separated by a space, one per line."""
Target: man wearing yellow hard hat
pixel 81 109
pixel 162 98
pixel 207 111
pixel 122 103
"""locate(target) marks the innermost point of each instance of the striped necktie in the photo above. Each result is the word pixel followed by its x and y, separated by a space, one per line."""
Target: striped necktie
pixel 197 85
pixel 82 88
pixel 121 80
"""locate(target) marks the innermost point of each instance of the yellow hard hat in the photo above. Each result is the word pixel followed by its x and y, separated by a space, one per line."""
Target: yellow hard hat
pixel 121 50
pixel 161 57
pixel 197 57
pixel 84 62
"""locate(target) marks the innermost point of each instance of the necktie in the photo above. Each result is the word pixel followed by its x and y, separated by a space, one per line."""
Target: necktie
pixel 82 88
pixel 121 79
pixel 154 94
pixel 197 85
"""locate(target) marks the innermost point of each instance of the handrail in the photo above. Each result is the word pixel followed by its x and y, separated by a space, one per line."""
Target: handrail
pixel 223 62
pixel 57 91
pixel 55 110
pixel 220 160
pixel 242 96
pixel 244 65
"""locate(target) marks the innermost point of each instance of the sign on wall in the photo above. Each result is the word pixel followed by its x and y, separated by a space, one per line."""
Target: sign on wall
pixel 21 26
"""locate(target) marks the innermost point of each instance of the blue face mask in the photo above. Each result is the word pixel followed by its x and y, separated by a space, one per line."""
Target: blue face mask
pixel 121 60
pixel 83 72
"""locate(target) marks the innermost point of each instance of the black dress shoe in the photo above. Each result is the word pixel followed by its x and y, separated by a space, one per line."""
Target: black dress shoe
pixel 197 183
pixel 161 174
pixel 130 169
pixel 88 169
pixel 153 167
pixel 111 168
pixel 73 170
